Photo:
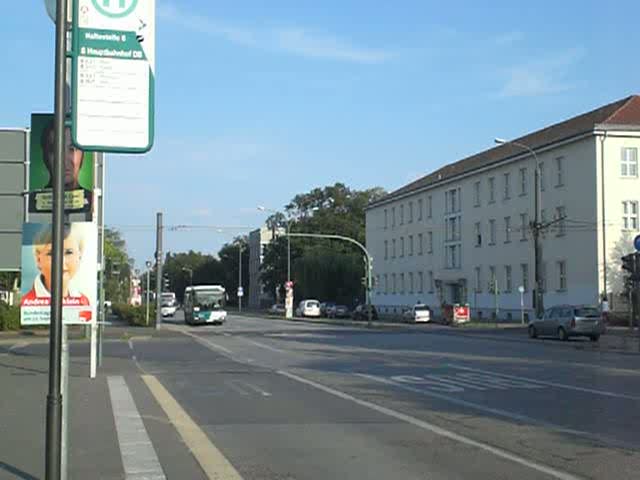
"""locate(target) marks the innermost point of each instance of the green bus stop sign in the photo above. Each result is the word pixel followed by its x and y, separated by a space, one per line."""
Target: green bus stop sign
pixel 115 8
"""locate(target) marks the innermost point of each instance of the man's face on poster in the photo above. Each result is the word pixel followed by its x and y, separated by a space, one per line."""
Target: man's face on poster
pixel 72 160
pixel 71 262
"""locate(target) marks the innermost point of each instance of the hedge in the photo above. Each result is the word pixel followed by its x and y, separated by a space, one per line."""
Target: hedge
pixel 9 317
pixel 134 316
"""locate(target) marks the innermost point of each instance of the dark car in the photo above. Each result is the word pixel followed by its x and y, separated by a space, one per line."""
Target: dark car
pixel 361 313
pixel 326 307
pixel 338 311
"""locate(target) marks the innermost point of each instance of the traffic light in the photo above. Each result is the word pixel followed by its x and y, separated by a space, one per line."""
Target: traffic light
pixel 629 263
pixel 165 282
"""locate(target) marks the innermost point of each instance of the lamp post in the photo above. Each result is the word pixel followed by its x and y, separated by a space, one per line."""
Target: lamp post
pixel 148 264
pixel 521 290
pixel 536 226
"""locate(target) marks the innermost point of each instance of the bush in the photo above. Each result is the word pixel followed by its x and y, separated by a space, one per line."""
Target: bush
pixel 9 317
pixel 134 316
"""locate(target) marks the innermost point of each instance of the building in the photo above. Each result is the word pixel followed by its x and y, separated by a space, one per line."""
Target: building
pixel 258 240
pixel 445 237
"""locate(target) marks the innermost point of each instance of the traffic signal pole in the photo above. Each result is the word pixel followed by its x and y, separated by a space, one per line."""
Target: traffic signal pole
pixel 158 270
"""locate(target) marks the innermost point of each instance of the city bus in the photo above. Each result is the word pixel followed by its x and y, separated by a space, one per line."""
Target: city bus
pixel 205 304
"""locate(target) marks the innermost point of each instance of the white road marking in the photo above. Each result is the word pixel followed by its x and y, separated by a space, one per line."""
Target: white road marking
pixel 492 410
pixel 262 345
pixel 255 388
pixel 213 462
pixel 209 343
pixel 130 344
pixel 139 458
pixel 231 384
pixel 550 384
pixel 437 430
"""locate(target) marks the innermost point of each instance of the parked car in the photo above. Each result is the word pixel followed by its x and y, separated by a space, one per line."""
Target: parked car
pixel 325 307
pixel 277 309
pixel 565 321
pixel 417 314
pixel 338 311
pixel 308 308
pixel 361 313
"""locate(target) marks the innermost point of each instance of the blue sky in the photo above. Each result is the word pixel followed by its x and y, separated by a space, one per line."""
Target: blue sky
pixel 257 101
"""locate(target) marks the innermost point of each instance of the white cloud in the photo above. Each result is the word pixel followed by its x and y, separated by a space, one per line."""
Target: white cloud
pixel 543 76
pixel 297 41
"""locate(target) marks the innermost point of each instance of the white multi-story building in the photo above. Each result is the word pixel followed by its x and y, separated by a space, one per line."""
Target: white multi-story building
pixel 258 241
pixel 443 238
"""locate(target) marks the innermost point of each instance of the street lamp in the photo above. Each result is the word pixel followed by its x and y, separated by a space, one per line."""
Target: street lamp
pixel 148 265
pixel 536 226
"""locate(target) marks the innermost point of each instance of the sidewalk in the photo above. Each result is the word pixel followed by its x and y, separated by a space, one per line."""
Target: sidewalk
pixel 98 448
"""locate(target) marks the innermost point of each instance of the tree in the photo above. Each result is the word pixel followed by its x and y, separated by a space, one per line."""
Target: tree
pixel 229 260
pixel 118 266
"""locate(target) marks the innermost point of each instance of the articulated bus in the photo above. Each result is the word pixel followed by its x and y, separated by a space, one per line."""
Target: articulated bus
pixel 205 304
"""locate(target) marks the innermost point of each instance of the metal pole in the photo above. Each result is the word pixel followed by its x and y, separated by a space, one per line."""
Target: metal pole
pixel 522 308
pixel 148 286
pixel 158 270
pixel 54 397
pixel 64 391
pixel 288 251
pixel 537 246
pixel 239 276
pixel 369 267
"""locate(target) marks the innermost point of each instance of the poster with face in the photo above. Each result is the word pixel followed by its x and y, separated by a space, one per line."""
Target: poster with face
pixel 78 169
pixel 79 273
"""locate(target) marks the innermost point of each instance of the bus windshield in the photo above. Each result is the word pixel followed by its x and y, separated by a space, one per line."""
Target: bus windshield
pixel 208 300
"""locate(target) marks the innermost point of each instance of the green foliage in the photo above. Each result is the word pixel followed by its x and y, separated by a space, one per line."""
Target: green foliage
pixel 117 267
pixel 134 316
pixel 9 317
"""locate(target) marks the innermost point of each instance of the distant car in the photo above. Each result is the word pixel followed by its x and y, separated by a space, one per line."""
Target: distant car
pixel 565 321
pixel 326 307
pixel 419 313
pixel 277 309
pixel 361 313
pixel 308 308
pixel 168 310
pixel 338 311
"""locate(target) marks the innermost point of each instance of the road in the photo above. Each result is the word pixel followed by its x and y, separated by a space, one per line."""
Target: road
pixel 296 400
pixel 272 399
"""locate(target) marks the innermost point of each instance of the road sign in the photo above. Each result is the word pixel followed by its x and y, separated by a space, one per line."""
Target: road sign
pixel 113 78
pixel 461 313
pixel 240 292
pixel 636 243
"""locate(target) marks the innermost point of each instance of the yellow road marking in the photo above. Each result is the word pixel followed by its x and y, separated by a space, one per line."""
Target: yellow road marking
pixel 212 461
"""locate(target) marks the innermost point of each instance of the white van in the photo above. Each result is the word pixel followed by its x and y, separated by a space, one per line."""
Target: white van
pixel 308 308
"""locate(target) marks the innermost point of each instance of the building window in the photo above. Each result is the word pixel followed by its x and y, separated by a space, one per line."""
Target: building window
pixel 393 217
pixel 523 226
pixel 507 229
pixel 429 206
pixel 431 282
pixel 507 186
pixel 562 275
pixel 401 247
pixel 629 162
pixel 630 215
pixel 478 234
pixel 476 194
pixel 393 283
pixel 559 171
pixel 493 281
pixel 492 189
pixel 541 175
pixel 492 232
pixel 386 219
pixel 478 279
pixel 402 214
pixel 523 181
pixel 393 248
pixel 410 245
pixel 420 207
pixel 524 274
pixel 560 216
pixel 378 286
pixel 453 256
pixel 420 282
pixel 453 229
pixel 402 284
pixel 410 212
pixel 507 278
pixel 410 282
pixel 429 242
pixel 386 249
pixel 386 284
pixel 420 241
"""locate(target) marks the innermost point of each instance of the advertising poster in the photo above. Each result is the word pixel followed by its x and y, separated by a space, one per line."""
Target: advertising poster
pixel 79 282
pixel 78 169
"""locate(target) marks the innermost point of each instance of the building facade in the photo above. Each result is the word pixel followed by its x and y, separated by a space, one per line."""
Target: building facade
pixel 258 241
pixel 453 235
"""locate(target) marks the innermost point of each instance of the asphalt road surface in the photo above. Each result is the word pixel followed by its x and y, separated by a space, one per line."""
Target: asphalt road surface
pixel 287 400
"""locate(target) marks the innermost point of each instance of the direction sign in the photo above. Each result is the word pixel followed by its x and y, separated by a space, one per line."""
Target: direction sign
pixel 636 243
pixel 113 78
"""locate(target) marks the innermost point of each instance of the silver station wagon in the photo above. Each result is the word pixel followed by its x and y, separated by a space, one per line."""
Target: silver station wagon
pixel 565 321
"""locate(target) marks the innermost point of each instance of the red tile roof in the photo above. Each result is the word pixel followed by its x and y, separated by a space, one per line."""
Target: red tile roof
pixel 622 112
